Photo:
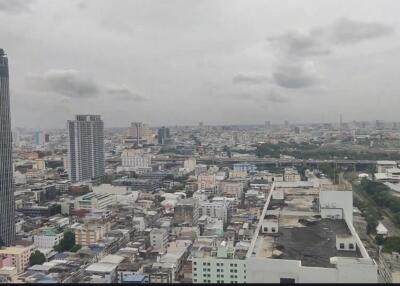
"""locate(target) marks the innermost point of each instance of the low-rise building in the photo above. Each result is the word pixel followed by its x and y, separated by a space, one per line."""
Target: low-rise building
pixel 291 175
pixel 217 209
pixel 47 238
pixel 217 263
pixel 134 160
pixel 88 234
pixel 186 212
pixel 94 201
pixel 19 256
pixel 383 166
pixel 159 239
pixel 244 167
pixel 231 189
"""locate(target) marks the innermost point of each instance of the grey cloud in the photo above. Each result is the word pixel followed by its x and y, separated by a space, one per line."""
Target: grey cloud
pixel 276 97
pixel 270 96
pixel 298 47
pixel 299 44
pixel 319 40
pixel 15 6
pixel 82 5
pixel 72 84
pixel 345 31
pixel 296 75
pixel 69 83
pixel 124 93
pixel 250 79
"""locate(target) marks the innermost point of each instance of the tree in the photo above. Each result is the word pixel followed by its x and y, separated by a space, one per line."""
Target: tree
pixel 75 248
pixel 67 243
pixel 391 244
pixel 379 239
pixel 37 258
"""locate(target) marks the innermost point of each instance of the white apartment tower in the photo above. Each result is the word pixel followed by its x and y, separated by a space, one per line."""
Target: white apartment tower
pixel 86 148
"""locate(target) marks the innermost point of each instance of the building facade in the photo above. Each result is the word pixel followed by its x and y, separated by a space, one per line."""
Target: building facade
pixel 159 239
pixel 89 234
pixel 217 209
pixel 48 238
pixel 92 200
pixel 244 167
pixel 7 200
pixel 86 148
pixel 186 212
pixel 19 256
pixel 163 135
pixel 134 160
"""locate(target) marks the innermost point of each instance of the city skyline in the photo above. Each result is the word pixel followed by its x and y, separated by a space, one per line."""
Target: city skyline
pixel 222 62
pixel 195 142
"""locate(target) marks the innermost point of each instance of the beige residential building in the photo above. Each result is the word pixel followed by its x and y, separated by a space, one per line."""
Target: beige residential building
pixel 206 182
pixel 231 189
pixel 291 175
pixel 19 256
pixel 88 234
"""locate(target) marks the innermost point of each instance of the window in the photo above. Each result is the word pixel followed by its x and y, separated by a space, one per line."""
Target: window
pixel 204 264
pixel 194 263
pixel 194 280
pixel 287 281
pixel 341 246
pixel 204 269
pixel 195 269
pixel 217 270
pixel 265 229
pixel 273 229
pixel 351 246
pixel 208 264
pixel 194 274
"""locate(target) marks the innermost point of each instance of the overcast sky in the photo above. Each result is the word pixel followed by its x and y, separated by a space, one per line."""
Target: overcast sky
pixel 167 62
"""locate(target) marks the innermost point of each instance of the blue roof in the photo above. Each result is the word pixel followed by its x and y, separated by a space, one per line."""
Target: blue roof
pixel 134 278
pixel 47 280
pixel 96 248
pixel 61 256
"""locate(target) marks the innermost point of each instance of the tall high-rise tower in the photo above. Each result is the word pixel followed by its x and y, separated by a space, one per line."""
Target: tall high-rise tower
pixel 85 148
pixel 7 200
pixel 163 135
pixel 136 131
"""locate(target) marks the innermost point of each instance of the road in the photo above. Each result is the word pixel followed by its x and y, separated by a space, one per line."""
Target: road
pixel 205 159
